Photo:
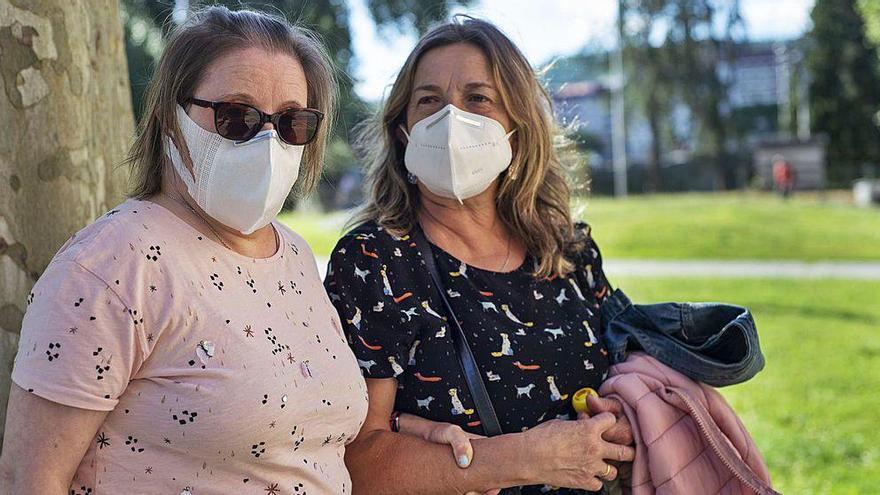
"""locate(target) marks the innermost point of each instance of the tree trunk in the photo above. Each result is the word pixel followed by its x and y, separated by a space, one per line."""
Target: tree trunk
pixel 655 179
pixel 65 108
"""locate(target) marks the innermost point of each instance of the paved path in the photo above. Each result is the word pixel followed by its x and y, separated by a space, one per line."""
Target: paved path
pixel 744 269
pixel 731 269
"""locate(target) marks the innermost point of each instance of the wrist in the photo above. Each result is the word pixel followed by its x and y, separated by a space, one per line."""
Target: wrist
pixel 529 454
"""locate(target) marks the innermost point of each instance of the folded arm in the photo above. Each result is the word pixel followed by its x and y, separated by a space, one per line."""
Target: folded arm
pixel 382 461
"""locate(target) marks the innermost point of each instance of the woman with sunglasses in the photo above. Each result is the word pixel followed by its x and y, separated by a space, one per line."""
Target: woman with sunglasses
pixel 183 343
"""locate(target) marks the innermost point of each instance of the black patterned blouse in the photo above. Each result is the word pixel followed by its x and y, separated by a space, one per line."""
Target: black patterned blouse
pixel 536 341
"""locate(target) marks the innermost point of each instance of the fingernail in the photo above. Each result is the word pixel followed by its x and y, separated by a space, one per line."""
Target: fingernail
pixel 462 460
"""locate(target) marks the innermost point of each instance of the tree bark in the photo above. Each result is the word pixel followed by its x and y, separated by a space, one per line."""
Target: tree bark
pixel 65 108
pixel 653 111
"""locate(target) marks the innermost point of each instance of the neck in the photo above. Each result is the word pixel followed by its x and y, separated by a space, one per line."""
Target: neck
pixel 471 231
pixel 472 218
pixel 175 198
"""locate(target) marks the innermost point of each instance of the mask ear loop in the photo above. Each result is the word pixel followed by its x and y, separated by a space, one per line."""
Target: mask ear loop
pixel 185 175
pixel 402 128
pixel 511 173
pixel 410 177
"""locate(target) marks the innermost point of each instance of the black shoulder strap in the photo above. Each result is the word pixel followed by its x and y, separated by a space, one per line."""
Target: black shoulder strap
pixel 482 402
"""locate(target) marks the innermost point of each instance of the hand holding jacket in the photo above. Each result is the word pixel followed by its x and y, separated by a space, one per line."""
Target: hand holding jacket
pixel 574 454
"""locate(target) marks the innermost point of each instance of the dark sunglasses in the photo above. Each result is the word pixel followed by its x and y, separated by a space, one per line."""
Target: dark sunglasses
pixel 240 122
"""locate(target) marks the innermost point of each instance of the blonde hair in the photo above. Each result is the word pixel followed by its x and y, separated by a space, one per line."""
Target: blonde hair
pixel 533 196
pixel 192 47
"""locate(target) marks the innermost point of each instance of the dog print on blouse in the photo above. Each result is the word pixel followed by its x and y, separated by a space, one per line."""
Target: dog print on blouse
pixel 536 341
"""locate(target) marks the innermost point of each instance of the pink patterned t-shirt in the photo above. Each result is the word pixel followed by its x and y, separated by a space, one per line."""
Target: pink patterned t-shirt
pixel 221 373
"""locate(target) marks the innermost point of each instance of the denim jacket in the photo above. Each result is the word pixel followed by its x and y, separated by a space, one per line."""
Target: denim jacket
pixel 713 343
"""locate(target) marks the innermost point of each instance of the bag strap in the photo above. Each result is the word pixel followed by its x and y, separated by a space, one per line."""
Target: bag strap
pixel 482 402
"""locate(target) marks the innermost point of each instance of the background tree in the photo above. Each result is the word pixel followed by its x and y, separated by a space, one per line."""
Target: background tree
pixel 844 89
pixel 650 78
pixel 409 14
pixel 870 10
pixel 677 50
pixel 66 106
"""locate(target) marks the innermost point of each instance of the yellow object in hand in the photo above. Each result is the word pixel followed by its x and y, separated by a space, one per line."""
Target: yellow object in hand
pixel 579 399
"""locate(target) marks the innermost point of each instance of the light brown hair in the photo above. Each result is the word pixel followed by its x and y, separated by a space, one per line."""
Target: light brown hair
pixel 533 196
pixel 192 47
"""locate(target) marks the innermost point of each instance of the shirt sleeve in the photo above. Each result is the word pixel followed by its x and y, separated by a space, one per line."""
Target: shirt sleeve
pixel 374 315
pixel 79 341
pixel 590 264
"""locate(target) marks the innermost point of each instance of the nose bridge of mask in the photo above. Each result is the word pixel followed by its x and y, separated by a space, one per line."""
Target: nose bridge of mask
pixel 438 118
pixel 467 120
pixel 261 136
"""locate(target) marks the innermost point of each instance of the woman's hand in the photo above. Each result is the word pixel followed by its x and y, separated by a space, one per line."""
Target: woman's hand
pixel 621 433
pixel 574 454
pixel 443 433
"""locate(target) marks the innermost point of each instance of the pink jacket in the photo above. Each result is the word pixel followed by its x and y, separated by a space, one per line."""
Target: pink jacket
pixel 688 439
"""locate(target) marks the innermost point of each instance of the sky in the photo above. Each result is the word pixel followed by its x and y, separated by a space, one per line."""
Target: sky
pixel 379 54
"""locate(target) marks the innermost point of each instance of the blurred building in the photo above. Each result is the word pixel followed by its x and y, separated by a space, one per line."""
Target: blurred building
pixel 759 72
pixel 585 106
pixel 763 99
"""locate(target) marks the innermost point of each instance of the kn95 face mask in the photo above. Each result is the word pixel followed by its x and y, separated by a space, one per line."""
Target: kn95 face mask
pixel 242 185
pixel 457 154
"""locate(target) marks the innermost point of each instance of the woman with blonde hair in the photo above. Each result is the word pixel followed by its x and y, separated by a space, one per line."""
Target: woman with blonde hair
pixel 182 343
pixel 469 296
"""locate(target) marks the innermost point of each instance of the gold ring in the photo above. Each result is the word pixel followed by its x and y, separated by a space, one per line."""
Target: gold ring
pixel 607 471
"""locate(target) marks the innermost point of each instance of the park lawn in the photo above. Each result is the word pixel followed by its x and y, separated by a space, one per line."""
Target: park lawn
pixel 814 410
pixel 320 230
pixel 694 226
pixel 740 225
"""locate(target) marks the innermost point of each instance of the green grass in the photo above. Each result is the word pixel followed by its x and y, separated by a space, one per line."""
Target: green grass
pixel 695 226
pixel 320 230
pixel 815 409
pixel 733 226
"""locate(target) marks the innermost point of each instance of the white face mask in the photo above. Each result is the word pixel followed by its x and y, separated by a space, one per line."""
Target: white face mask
pixel 457 154
pixel 241 185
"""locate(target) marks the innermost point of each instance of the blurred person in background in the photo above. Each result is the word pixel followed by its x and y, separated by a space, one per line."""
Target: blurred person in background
pixel 783 176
